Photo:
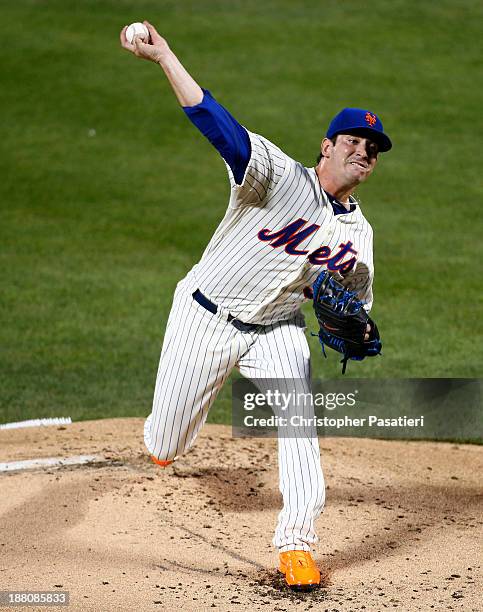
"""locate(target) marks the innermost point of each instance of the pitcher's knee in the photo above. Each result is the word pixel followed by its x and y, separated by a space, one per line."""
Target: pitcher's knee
pixel 163 448
pixel 161 458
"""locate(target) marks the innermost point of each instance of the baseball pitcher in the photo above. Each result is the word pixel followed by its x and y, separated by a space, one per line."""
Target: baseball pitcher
pixel 239 306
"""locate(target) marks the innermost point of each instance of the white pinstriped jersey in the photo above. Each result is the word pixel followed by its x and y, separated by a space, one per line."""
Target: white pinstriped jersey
pixel 278 234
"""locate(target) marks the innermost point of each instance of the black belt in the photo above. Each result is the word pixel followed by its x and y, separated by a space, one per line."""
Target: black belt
pixel 213 308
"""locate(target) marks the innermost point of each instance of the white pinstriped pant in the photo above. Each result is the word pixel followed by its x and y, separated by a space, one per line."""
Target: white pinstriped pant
pixel 199 351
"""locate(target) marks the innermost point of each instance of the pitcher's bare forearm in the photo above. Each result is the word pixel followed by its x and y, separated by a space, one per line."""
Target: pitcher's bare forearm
pixel 186 89
pixel 223 131
pixel 157 50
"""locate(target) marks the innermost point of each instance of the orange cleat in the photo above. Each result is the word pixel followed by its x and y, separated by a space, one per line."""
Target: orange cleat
pixel 160 463
pixel 299 568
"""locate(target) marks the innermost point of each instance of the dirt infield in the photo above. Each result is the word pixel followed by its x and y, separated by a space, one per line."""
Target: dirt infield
pixel 401 528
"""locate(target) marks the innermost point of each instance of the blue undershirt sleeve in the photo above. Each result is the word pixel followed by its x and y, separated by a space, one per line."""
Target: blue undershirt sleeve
pixel 224 132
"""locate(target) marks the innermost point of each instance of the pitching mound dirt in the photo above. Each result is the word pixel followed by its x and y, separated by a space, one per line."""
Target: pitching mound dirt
pixel 401 529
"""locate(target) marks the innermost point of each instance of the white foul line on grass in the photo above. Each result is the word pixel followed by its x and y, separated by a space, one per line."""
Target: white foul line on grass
pixel 31 464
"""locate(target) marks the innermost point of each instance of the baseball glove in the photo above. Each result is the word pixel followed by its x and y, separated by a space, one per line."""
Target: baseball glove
pixel 343 321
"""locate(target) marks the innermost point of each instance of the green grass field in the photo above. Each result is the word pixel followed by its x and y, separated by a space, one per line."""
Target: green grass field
pixel 109 195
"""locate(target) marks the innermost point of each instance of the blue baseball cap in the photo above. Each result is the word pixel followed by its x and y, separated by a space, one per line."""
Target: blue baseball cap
pixel 362 122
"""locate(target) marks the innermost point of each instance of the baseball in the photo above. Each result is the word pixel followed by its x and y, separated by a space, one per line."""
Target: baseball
pixel 137 29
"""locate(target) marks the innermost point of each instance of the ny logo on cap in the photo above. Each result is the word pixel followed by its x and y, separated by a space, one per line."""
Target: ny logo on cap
pixel 370 118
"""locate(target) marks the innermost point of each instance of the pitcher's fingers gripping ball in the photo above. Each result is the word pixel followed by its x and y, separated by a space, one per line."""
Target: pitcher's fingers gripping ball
pixel 146 44
pixel 137 29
